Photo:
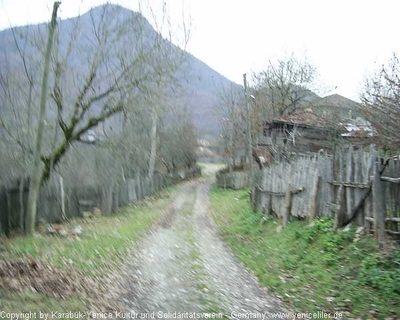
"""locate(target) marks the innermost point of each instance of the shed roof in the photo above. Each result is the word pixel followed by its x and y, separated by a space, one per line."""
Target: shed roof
pixel 305 118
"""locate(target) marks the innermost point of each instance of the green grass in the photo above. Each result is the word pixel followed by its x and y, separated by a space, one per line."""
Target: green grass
pixel 34 302
pixel 309 267
pixel 101 249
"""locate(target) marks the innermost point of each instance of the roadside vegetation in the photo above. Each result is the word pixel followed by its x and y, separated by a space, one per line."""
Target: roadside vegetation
pixel 53 273
pixel 310 267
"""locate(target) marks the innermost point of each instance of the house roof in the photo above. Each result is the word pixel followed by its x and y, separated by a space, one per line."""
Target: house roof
pixel 305 118
pixel 310 119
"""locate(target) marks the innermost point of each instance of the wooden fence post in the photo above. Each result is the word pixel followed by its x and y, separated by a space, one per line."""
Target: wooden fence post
pixel 340 199
pixel 288 197
pixel 314 198
pixel 109 199
pixel 340 207
pixel 256 198
pixel 268 204
pixel 378 207
pixel 369 162
pixel 286 211
pixel 358 192
pixel 349 179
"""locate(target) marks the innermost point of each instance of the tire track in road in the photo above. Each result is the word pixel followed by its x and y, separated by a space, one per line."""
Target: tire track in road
pixel 184 266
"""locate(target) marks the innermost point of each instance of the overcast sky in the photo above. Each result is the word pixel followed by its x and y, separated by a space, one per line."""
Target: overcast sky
pixel 344 39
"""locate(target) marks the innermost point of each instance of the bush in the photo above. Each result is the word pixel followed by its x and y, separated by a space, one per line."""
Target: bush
pixel 331 242
pixel 381 273
pixel 320 226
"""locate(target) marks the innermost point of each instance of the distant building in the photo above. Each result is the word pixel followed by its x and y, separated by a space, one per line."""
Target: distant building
pixel 307 131
pixel 302 132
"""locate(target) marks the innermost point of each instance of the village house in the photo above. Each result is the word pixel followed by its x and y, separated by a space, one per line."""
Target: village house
pixel 307 131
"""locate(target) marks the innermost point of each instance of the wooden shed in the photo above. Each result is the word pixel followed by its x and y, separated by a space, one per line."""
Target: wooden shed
pixel 301 132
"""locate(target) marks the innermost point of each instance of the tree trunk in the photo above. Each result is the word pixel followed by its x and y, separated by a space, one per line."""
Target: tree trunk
pixel 4 212
pixel 153 138
pixel 231 164
pixel 37 169
pixel 62 198
pixel 21 203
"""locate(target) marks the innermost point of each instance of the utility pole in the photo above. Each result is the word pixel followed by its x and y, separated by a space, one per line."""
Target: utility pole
pixel 249 140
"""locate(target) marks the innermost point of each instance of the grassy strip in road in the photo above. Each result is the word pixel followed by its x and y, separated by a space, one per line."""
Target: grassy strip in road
pixel 310 267
pixel 101 250
pixel 207 297
pixel 209 301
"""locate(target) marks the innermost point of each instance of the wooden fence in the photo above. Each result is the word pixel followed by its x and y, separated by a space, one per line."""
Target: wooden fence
pixel 350 186
pixel 62 199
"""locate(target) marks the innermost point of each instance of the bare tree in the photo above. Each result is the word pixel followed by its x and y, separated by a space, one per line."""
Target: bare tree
pixel 381 102
pixel 284 87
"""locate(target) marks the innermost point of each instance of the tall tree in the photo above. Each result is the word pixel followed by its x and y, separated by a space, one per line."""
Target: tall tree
pixel 283 87
pixel 34 185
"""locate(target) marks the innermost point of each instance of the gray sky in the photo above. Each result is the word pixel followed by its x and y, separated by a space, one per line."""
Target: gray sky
pixel 344 39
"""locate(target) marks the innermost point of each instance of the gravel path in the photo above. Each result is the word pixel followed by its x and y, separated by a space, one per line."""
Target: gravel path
pixel 183 266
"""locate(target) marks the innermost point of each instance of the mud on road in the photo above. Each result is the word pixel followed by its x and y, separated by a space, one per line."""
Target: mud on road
pixel 184 266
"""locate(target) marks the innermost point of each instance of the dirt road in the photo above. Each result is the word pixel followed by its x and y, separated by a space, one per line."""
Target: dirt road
pixel 184 266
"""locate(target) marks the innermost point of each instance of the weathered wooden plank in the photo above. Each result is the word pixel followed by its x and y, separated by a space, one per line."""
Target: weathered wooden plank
pixel 335 170
pixel 281 194
pixel 314 197
pixel 262 197
pixel 349 177
pixel 340 209
pixel 357 185
pixel 304 207
pixel 268 205
pixel 327 175
pixel 392 232
pixel 274 186
pixel 389 196
pixel 394 219
pixel 396 188
pixel 391 180
pixel 378 207
pixel 358 194
pixel 286 211
pixel 369 160
pixel 282 187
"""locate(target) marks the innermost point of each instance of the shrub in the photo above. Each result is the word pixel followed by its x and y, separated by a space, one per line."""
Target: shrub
pixel 330 241
pixel 381 273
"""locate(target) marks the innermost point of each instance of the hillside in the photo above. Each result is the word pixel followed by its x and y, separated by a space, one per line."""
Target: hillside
pixel 336 105
pixel 200 82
